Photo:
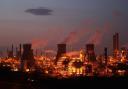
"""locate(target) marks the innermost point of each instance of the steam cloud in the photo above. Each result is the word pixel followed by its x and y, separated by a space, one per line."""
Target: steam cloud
pixel 39 43
pixel 71 38
pixel 98 35
pixel 75 36
pixel 96 38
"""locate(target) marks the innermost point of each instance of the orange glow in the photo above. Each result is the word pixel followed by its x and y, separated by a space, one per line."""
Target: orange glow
pixel 68 66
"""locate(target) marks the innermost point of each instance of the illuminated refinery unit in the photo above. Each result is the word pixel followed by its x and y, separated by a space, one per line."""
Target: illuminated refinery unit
pixel 86 63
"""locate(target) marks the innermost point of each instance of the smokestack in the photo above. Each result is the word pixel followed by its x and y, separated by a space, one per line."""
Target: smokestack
pixel 61 50
pixel 106 54
pixel 115 43
pixel 91 52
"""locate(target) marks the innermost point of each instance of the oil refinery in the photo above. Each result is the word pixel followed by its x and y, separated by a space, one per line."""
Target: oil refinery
pixel 64 65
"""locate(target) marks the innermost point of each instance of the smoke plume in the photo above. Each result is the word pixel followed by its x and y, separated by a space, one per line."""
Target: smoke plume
pixel 37 43
pixel 98 35
pixel 75 36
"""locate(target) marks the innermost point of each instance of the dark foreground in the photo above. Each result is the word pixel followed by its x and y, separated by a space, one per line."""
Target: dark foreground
pixel 19 80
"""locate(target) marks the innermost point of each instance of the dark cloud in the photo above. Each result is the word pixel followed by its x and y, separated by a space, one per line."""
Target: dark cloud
pixel 40 11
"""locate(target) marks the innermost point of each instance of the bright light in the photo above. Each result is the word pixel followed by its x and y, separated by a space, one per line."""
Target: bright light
pixel 27 70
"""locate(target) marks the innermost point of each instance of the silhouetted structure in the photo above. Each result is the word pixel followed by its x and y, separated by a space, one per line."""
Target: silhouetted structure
pixel 106 54
pixel 90 52
pixel 27 59
pixel 18 52
pixel 116 44
pixel 61 51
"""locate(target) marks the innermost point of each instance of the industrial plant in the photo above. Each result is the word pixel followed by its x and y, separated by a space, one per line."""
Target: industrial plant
pixel 60 66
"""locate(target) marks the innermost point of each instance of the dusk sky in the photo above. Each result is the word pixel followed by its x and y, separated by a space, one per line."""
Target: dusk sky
pixel 46 23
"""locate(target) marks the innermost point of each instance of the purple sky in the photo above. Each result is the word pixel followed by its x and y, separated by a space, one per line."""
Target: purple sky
pixel 46 23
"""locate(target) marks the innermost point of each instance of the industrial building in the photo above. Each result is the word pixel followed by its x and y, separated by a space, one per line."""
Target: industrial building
pixel 90 52
pixel 27 59
pixel 61 51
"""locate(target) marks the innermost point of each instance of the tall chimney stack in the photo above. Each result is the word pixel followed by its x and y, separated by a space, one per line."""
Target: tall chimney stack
pixel 115 44
pixel 61 50
pixel 91 52
pixel 106 54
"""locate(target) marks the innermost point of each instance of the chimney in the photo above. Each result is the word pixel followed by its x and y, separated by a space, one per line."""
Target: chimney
pixel 115 44
pixel 116 41
pixel 27 59
pixel 61 50
pixel 106 54
pixel 90 51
